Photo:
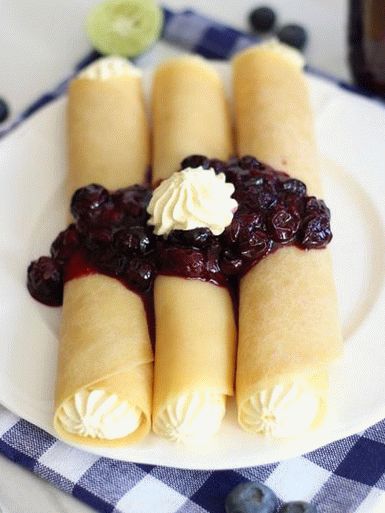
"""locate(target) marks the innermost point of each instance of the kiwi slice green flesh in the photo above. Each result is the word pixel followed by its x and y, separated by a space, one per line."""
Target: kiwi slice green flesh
pixel 124 27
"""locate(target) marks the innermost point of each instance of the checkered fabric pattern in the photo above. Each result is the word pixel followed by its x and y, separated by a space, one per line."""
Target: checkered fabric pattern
pixel 191 31
pixel 344 477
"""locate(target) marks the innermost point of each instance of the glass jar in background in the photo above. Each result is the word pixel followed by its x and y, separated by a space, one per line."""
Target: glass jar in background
pixel 367 44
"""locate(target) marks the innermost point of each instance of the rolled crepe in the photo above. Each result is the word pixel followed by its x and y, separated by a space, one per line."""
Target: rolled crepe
pixel 104 382
pixel 195 328
pixel 190 114
pixel 108 140
pixel 289 330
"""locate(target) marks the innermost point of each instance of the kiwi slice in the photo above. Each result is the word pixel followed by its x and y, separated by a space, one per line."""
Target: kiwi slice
pixel 124 27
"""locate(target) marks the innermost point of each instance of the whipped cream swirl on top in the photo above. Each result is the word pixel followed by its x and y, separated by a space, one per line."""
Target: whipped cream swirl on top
pixel 109 67
pixel 280 412
pixel 192 198
pixel 191 418
pixel 97 414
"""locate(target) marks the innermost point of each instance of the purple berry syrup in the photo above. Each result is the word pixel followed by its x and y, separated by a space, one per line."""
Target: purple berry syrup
pixel 110 234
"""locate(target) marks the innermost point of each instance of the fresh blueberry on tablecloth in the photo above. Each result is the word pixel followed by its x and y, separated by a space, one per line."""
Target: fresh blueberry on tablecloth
pixel 298 507
pixel 262 19
pixel 251 498
pixel 293 35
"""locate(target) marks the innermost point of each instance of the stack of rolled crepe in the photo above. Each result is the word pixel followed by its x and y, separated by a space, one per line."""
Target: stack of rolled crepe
pixel 195 328
pixel 289 331
pixel 104 383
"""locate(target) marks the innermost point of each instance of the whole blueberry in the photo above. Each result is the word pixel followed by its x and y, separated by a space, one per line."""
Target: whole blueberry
pixel 45 281
pixel 140 274
pixel 316 232
pixel 196 238
pixel 316 206
pixel 262 19
pixel 182 261
pixel 110 215
pixel 283 225
pixel 4 110
pixel 87 200
pixel 251 498
pixel 262 199
pixel 218 165
pixel 249 223
pixel 293 186
pixel 236 174
pixel 256 246
pixel 199 237
pixel 109 260
pixel 252 240
pixel 248 161
pixel 132 200
pixel 298 507
pixel 133 239
pixel 98 238
pixel 293 35
pixel 133 191
pixel 65 244
pixel 195 161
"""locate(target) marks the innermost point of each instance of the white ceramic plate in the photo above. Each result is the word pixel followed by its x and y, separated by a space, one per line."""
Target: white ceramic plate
pixel 351 135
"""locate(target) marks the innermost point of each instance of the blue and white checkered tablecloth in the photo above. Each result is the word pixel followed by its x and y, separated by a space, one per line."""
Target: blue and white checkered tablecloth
pixel 344 477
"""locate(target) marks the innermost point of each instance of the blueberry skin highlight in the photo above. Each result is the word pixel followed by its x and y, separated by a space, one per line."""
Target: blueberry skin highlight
pixel 251 498
pixel 298 507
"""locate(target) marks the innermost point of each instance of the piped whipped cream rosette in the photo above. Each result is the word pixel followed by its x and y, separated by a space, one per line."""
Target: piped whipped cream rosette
pixel 97 414
pixel 195 326
pixel 192 418
pixel 289 329
pixel 104 381
pixel 192 198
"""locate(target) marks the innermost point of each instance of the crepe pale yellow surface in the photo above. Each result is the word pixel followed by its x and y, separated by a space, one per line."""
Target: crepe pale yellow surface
pixel 188 105
pixel 195 357
pixel 195 328
pixel 289 330
pixel 105 371
pixel 108 138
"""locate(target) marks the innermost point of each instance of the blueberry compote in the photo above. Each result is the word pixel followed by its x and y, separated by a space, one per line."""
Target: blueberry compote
pixel 110 234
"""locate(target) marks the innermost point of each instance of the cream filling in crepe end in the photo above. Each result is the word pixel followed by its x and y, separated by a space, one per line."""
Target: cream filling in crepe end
pixel 109 67
pixel 281 411
pixel 191 418
pixel 192 198
pixel 97 414
pixel 291 54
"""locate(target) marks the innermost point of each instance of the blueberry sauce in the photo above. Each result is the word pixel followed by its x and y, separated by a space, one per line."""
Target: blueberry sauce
pixel 110 234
